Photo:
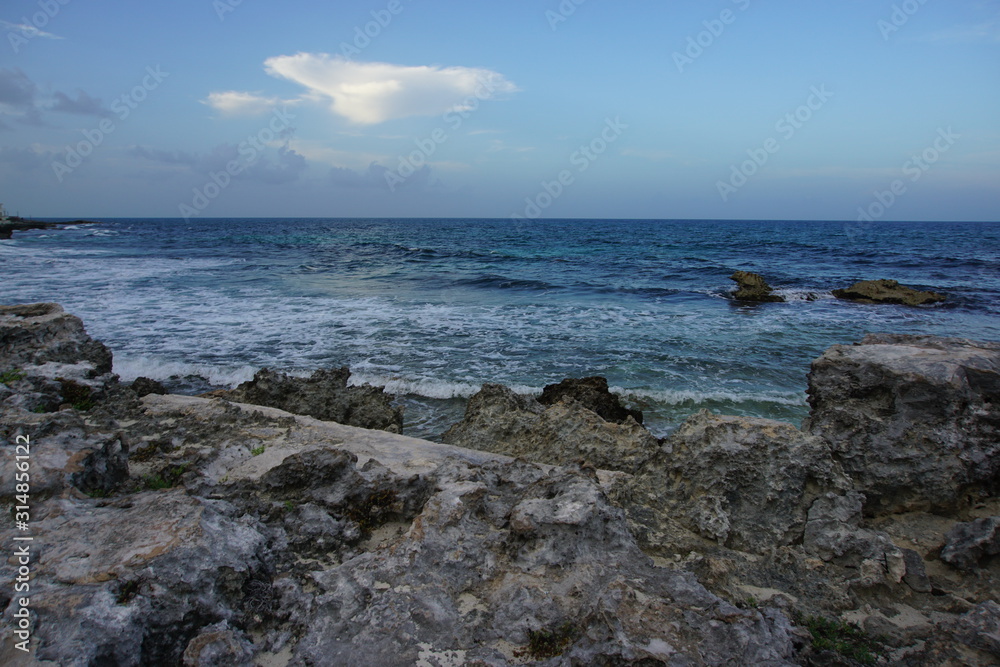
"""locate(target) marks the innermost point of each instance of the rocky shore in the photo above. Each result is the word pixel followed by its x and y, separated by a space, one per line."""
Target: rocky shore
pixel 177 530
pixel 15 224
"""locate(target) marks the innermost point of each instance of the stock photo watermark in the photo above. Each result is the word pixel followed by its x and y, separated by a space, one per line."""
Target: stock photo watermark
pixel 31 27
pixel 901 15
pixel 562 13
pixel 913 170
pixel 787 126
pixel 22 553
pixel 249 151
pixel 714 28
pixel 426 147
pixel 122 107
pixel 582 159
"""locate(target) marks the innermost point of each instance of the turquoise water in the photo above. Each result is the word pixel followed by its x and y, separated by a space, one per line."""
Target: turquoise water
pixel 434 308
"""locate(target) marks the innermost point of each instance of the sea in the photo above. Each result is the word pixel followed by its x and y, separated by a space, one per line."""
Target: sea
pixel 433 308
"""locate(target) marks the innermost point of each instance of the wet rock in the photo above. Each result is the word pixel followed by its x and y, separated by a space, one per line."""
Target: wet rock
pixel 593 394
pixel 745 483
pixel 38 333
pixel 887 291
pixel 143 386
pixel 498 420
pixel 967 545
pixel 324 395
pixel 914 420
pixel 753 287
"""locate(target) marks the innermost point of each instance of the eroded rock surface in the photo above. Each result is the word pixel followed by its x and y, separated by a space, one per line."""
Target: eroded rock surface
pixel 499 420
pixel 324 395
pixel 914 420
pixel 887 291
pixel 202 531
pixel 753 287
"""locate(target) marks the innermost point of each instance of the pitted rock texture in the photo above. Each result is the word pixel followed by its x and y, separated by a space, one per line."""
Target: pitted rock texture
pixel 914 420
pixel 887 291
pixel 499 420
pixel 324 395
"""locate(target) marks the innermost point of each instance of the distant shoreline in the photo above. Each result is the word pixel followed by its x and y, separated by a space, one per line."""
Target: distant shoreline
pixel 16 224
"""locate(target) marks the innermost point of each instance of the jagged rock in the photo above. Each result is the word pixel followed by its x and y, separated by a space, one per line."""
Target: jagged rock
pixel 887 291
pixel 64 453
pixel 143 386
pixel 131 581
pixel 833 533
pixel 753 287
pixel 498 420
pixel 325 395
pixel 745 483
pixel 593 394
pixel 43 332
pixel 914 420
pixel 506 550
pixel 967 544
pixel 972 639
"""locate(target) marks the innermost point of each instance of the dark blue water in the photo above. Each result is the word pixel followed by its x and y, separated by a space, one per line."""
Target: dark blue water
pixel 434 308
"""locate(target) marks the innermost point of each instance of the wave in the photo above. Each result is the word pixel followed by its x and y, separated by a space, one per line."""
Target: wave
pixel 129 368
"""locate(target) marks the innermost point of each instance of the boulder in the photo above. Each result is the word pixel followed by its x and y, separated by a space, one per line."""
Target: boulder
pixel 498 420
pixel 887 291
pixel 967 545
pixel 143 386
pixel 914 420
pixel 742 482
pixel 753 287
pixel 39 333
pixel 593 394
pixel 324 395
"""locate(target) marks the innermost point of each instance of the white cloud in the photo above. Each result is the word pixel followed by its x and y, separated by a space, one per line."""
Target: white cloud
pixel 370 93
pixel 28 31
pixel 235 103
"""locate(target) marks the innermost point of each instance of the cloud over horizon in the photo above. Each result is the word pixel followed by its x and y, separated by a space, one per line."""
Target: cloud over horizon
pixel 372 93
pixel 236 103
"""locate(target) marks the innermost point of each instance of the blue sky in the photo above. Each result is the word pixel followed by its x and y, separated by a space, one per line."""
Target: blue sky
pixel 734 109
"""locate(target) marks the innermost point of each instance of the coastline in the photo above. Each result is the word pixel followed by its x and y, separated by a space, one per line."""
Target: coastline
pixel 797 546
pixel 16 224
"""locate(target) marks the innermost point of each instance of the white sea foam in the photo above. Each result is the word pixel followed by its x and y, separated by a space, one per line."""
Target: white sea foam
pixel 129 368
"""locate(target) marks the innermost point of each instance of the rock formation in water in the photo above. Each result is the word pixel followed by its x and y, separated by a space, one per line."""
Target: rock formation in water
pixel 753 287
pixel 887 291
pixel 202 531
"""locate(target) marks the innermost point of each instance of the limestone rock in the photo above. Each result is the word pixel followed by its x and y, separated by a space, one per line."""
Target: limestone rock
pixel 745 483
pixel 914 420
pixel 753 287
pixel 43 332
pixel 593 394
pixel 498 420
pixel 143 386
pixel 131 581
pixel 504 551
pixel 325 395
pixel 887 291
pixel 968 544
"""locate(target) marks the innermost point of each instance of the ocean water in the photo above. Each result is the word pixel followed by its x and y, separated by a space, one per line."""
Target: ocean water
pixel 434 308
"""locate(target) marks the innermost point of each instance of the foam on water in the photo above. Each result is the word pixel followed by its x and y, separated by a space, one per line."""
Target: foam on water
pixel 434 309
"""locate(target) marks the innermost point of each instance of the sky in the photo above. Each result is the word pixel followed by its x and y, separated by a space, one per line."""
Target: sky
pixel 721 109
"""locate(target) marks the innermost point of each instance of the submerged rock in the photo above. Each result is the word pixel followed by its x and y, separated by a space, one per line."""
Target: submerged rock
pixel 887 291
pixel 324 395
pixel 753 287
pixel 498 420
pixel 914 420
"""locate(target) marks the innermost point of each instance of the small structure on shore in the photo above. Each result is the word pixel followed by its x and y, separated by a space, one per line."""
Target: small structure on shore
pixel 3 214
